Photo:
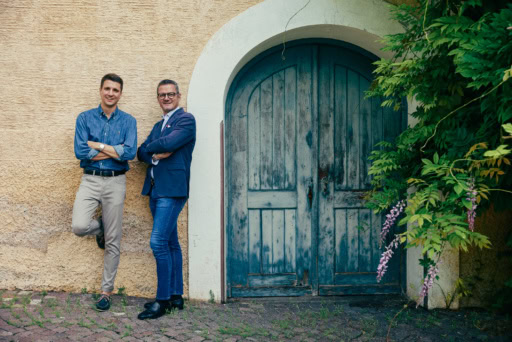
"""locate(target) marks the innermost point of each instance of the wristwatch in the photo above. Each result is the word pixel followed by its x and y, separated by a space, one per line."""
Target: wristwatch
pixel 102 147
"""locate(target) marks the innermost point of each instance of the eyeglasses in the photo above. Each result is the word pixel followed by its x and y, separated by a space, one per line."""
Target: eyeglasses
pixel 169 95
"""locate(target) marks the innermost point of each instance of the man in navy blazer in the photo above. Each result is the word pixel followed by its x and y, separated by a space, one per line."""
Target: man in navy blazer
pixel 168 152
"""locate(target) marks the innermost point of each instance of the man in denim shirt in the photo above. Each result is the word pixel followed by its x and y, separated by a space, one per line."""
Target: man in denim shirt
pixel 105 139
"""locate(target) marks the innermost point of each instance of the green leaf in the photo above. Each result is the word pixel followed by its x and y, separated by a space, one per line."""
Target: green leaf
pixel 508 128
pixel 467 204
pixel 458 189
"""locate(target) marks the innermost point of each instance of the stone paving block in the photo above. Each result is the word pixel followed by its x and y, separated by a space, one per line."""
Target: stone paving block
pixel 171 332
pixel 92 338
pixel 5 333
pixel 17 330
pixel 45 339
pixel 24 339
pixel 160 338
pixel 104 339
pixel 24 334
pixel 35 301
pixel 64 339
pixel 32 327
pixel 129 338
pixel 59 329
pixel 142 334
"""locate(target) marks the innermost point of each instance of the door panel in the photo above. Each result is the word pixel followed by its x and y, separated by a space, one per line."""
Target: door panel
pixel 267 187
pixel 299 135
pixel 349 126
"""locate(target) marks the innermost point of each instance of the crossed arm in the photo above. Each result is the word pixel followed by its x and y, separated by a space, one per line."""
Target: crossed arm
pixel 107 153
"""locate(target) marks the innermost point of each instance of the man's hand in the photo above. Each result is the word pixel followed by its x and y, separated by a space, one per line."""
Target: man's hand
pixel 159 156
pixel 94 145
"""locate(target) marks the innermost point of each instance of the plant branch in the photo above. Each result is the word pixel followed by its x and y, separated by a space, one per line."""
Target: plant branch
pixel 424 20
pixel 457 109
pixel 391 323
pixel 464 187
pixel 286 27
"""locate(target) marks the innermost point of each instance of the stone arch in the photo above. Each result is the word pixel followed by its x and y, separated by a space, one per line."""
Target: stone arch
pixel 361 23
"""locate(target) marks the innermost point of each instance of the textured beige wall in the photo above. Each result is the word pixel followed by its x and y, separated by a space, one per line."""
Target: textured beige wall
pixel 52 57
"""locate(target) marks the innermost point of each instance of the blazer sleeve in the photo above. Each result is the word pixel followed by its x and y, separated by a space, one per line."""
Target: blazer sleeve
pixel 142 153
pixel 182 133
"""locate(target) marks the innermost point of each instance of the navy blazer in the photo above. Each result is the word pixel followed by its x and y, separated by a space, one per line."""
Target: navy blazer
pixel 172 174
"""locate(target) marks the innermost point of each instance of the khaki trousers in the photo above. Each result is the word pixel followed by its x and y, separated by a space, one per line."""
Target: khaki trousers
pixel 110 192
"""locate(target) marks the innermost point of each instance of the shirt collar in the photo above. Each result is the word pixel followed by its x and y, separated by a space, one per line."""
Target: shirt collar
pixel 168 115
pixel 102 113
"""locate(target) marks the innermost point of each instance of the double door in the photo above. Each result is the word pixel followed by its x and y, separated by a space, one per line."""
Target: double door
pixel 299 131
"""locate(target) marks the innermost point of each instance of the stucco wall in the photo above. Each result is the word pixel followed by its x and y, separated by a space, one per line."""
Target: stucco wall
pixel 485 271
pixel 53 55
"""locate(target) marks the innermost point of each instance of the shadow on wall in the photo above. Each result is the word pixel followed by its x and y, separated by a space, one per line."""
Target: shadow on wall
pixel 485 272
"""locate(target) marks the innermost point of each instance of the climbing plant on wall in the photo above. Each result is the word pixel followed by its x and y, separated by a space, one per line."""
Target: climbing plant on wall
pixel 454 58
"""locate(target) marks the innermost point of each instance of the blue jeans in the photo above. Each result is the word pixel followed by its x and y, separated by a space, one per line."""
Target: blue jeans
pixel 165 245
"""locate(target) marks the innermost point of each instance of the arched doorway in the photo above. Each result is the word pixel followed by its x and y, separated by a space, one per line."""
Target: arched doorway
pixel 298 135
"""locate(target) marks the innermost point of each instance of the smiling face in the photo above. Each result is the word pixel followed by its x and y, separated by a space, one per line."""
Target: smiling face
pixel 168 97
pixel 110 93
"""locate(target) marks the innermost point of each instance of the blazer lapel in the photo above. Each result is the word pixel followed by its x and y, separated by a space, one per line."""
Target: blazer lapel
pixel 160 131
pixel 172 120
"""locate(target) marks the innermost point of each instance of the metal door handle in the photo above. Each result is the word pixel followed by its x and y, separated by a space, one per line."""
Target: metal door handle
pixel 310 195
pixel 325 185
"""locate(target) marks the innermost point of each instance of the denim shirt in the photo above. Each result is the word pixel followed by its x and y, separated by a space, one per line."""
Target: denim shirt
pixel 120 131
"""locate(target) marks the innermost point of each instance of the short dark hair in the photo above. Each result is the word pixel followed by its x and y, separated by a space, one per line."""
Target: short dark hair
pixel 166 81
pixel 113 78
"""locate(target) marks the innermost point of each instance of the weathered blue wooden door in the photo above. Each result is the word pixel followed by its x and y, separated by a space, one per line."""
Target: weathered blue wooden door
pixel 298 134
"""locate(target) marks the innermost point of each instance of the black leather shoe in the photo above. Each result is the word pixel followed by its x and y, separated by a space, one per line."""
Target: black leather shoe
pixel 100 239
pixel 148 305
pixel 157 309
pixel 177 303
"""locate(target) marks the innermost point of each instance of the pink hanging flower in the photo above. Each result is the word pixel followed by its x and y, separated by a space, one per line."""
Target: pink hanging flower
pixel 433 270
pixel 390 219
pixel 386 256
pixel 471 193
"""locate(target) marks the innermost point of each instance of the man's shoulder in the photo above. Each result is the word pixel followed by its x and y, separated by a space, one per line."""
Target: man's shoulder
pixel 88 115
pixel 88 112
pixel 185 114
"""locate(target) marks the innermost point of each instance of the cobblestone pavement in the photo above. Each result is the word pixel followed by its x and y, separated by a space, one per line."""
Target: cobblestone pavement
pixel 40 316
